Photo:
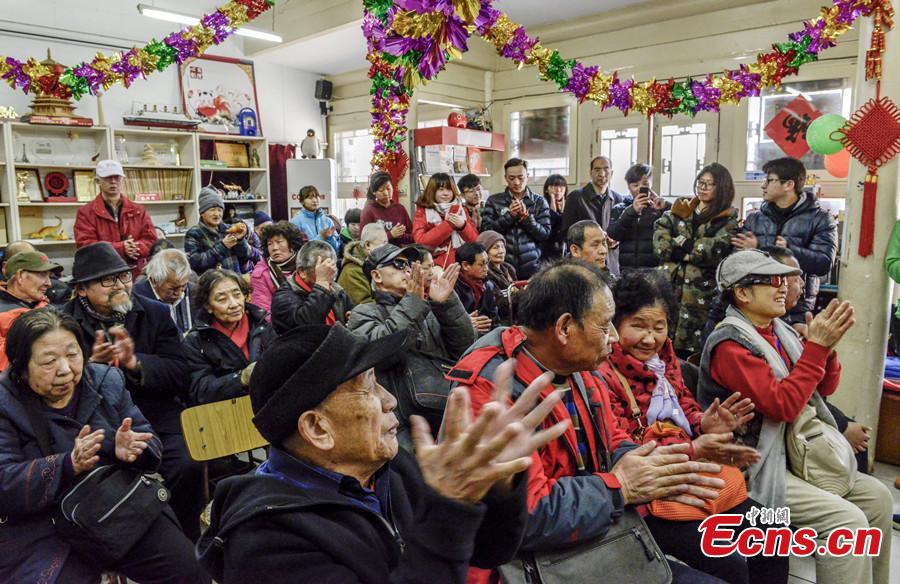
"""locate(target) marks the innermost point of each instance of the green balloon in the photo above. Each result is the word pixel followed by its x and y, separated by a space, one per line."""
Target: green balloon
pixel 819 134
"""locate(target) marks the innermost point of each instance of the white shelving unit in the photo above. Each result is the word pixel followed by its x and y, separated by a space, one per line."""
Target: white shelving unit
pixel 45 148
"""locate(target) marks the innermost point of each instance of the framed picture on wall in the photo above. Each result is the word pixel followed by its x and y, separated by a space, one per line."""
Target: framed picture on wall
pixel 215 89
pixel 233 154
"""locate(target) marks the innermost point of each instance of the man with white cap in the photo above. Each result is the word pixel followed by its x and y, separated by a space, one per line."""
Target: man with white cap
pixel 757 354
pixel 116 219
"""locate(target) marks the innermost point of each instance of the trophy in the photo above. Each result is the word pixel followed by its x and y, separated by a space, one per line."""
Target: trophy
pixel 21 179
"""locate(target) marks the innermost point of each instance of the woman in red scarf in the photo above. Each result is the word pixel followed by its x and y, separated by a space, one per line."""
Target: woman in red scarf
pixel 229 335
pixel 441 221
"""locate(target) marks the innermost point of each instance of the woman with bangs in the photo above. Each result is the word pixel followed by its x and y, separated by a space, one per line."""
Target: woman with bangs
pixel 441 221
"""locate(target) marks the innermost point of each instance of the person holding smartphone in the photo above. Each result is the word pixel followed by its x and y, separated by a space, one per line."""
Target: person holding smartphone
pixel 441 221
pixel 632 221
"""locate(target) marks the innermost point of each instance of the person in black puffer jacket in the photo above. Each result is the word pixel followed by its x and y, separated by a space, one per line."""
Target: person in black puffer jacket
pixel 521 216
pixel 228 337
pixel 792 218
pixel 633 221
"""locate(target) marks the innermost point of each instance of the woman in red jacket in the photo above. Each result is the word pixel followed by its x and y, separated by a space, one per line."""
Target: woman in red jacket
pixel 441 221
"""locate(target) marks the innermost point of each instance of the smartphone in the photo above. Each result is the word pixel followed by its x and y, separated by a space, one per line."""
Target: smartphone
pixel 455 209
pixel 644 191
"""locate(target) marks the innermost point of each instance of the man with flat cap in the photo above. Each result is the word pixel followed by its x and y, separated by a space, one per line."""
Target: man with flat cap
pixel 338 501
pixel 27 281
pixel 138 336
pixel 439 326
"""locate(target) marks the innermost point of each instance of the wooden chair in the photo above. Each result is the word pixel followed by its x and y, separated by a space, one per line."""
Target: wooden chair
pixel 220 429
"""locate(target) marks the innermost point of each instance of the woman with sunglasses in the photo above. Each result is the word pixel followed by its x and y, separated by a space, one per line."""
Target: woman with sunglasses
pixel 690 240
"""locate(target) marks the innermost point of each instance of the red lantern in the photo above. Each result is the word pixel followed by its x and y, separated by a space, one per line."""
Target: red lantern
pixel 457 120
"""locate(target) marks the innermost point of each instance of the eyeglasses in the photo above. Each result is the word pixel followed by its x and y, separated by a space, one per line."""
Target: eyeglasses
pixel 398 264
pixel 702 184
pixel 774 281
pixel 769 181
pixel 110 281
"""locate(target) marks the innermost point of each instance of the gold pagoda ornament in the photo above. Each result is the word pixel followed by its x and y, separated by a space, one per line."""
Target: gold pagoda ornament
pixel 52 105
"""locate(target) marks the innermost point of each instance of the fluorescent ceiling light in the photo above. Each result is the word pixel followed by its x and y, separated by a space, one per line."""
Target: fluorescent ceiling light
pixel 180 18
pixel 441 104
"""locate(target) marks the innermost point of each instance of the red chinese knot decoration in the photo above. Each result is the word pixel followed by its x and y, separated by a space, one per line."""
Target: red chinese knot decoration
pixel 872 136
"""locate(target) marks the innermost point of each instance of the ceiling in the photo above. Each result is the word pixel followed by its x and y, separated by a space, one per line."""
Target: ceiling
pixel 117 23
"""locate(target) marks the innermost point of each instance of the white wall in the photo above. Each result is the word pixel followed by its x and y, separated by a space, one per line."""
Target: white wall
pixel 285 95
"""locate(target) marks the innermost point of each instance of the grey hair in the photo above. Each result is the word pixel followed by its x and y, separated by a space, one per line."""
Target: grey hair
pixel 310 253
pixel 166 261
pixel 371 231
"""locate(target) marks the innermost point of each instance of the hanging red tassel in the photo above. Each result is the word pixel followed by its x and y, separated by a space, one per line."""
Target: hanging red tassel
pixel 867 221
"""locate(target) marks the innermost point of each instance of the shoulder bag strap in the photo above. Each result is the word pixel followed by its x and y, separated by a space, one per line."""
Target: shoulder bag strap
pixel 635 410
pixel 600 431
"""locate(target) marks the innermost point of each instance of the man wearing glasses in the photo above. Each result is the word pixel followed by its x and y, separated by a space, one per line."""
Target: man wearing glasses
pixel 115 218
pixel 595 202
pixel 169 281
pixel 792 218
pixel 521 216
pixel 440 330
pixel 138 336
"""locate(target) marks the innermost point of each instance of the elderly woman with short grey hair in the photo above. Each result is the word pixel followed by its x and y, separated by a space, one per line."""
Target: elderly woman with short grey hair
pixel 311 296
pixel 168 280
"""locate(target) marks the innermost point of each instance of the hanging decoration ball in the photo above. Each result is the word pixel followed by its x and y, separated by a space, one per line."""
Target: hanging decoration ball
pixel 838 164
pixel 457 120
pixel 821 136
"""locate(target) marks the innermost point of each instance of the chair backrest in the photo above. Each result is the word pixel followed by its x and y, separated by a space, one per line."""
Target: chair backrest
pixel 220 429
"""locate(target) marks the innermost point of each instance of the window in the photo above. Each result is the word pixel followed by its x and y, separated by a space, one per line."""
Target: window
pixel 620 146
pixel 432 123
pixel 682 155
pixel 830 96
pixel 541 136
pixel 353 151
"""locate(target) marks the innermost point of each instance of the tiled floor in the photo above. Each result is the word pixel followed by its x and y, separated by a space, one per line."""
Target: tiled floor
pixel 803 570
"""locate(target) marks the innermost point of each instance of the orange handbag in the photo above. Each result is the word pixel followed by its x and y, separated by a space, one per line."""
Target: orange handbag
pixel 733 494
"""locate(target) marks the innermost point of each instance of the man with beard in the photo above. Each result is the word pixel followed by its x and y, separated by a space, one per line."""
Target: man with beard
pixel 138 336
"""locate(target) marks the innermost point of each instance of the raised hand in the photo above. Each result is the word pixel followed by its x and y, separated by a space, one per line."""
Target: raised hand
pixel 727 416
pixel 84 452
pixel 829 326
pixel 398 230
pixel 326 269
pixel 415 284
pixel 650 472
pixel 103 351
pixel 720 448
pixel 130 444
pixel 123 347
pixel 442 288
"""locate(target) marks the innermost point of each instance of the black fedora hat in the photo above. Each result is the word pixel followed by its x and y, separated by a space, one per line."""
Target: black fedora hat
pixel 96 260
pixel 327 356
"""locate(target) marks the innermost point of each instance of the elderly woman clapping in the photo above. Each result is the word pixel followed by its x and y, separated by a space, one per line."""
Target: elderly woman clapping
pixel 86 418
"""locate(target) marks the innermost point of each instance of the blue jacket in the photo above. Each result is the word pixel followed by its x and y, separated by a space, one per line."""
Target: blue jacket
pixel 32 485
pixel 312 223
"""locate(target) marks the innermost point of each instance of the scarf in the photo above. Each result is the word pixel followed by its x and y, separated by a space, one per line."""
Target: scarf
pixel 281 272
pixel 330 319
pixel 477 287
pixel 113 319
pixel 239 336
pixel 436 216
pixel 664 401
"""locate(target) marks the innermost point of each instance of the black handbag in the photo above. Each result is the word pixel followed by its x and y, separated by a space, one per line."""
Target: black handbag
pixel 109 510
pixel 627 552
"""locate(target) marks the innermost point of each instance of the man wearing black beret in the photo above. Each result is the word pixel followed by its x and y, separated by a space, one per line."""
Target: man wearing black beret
pixel 337 501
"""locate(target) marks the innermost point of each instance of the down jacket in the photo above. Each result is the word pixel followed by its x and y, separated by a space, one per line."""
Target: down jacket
pixel 811 234
pixel 635 234
pixel 33 484
pixel 523 238
pixel 217 363
pixel 352 278
pixel 292 306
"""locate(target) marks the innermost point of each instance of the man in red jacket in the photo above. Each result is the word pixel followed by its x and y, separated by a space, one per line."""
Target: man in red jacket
pixel 578 485
pixel 116 219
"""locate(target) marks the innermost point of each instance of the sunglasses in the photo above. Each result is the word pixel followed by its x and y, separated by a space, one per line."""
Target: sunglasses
pixel 774 281
pixel 398 264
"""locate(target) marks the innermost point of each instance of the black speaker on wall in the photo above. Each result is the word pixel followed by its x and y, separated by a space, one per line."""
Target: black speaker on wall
pixel 323 89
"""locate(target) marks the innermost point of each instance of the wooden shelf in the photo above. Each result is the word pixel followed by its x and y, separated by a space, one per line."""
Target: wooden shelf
pixel 29 165
pixel 215 169
pixel 49 242
pixel 143 131
pixel 32 204
pixel 155 167
pixel 4 205
pixel 231 137
pixel 166 202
